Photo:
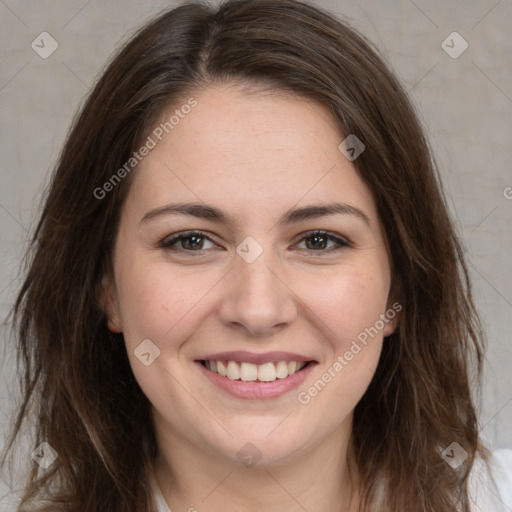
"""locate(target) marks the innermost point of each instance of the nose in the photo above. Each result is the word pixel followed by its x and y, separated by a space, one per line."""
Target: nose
pixel 257 299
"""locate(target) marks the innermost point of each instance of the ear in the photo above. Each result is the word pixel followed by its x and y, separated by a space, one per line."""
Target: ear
pixel 109 303
pixel 392 316
pixel 393 305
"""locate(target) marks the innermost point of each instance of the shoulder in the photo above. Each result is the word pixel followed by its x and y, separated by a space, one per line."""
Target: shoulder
pixel 161 505
pixel 490 487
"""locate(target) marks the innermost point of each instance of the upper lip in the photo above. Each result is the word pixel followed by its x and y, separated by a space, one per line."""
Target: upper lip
pixel 250 357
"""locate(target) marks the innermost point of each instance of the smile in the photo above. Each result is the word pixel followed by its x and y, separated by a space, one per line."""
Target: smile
pixel 267 372
pixel 255 376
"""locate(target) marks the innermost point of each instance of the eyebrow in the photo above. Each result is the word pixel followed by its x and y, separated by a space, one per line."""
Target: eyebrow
pixel 211 213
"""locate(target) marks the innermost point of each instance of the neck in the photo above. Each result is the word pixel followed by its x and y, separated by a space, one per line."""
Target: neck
pixel 320 478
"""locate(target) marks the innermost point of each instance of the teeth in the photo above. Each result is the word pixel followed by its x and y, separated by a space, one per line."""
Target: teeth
pixel 233 371
pixel 248 371
pixel 282 370
pixel 221 368
pixel 267 372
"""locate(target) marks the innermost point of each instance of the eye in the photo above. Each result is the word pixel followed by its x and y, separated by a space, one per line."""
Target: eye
pixel 194 241
pixel 317 241
pixel 190 241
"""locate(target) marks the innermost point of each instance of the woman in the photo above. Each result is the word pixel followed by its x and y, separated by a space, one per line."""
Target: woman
pixel 245 288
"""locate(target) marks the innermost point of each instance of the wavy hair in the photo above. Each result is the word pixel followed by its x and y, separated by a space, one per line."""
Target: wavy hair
pixel 77 384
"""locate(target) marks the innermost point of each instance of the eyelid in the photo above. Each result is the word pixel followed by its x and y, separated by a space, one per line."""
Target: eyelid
pixel 341 241
pixel 176 237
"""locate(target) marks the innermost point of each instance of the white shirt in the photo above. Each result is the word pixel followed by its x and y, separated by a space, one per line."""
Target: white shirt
pixel 485 496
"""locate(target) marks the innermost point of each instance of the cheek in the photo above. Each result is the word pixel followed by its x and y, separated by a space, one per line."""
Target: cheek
pixel 159 304
pixel 346 302
pixel 348 309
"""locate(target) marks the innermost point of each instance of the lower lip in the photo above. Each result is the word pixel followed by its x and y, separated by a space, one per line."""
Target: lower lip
pixel 254 390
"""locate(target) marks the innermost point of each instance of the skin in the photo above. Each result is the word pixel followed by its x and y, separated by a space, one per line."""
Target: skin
pixel 254 156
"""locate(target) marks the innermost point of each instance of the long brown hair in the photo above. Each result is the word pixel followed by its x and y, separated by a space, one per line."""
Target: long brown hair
pixel 77 383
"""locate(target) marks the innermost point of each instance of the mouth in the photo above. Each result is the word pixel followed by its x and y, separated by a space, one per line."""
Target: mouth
pixel 250 372
pixel 251 376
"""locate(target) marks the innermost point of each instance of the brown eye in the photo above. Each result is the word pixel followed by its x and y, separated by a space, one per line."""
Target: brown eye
pixel 318 241
pixel 192 241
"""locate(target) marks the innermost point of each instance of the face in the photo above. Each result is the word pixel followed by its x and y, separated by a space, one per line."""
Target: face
pixel 258 277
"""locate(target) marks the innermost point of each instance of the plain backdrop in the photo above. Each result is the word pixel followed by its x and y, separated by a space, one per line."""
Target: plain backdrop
pixel 464 98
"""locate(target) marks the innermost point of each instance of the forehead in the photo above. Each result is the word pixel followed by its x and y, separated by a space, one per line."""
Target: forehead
pixel 251 151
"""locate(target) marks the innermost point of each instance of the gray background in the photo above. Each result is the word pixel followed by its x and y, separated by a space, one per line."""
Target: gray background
pixel 465 104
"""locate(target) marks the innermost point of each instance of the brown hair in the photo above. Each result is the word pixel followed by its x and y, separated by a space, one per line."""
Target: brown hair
pixel 77 382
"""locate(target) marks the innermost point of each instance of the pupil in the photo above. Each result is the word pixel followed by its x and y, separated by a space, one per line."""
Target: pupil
pixel 317 238
pixel 192 245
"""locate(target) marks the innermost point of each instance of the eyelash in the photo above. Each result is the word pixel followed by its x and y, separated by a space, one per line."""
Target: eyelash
pixel 170 241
